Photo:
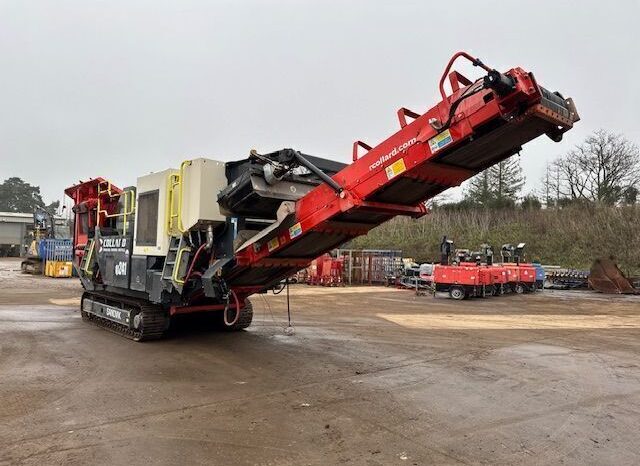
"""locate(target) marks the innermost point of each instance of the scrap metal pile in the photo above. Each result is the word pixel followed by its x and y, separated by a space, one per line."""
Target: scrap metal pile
pixel 606 277
pixel 567 279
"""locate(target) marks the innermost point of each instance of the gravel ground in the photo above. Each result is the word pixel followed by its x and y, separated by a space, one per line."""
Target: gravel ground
pixel 371 376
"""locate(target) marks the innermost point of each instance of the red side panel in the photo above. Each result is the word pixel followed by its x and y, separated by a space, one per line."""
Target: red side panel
pixel 86 216
pixel 527 273
pixel 485 276
pixel 455 275
pixel 499 274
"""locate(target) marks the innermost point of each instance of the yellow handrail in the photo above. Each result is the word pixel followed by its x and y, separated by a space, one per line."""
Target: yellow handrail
pixel 176 266
pixel 169 205
pixel 184 164
pixel 89 257
pixel 175 181
pixel 129 204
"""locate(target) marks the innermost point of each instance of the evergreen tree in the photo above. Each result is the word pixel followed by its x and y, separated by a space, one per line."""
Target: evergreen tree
pixel 498 186
pixel 17 195
pixel 479 190
pixel 507 179
pixel 531 202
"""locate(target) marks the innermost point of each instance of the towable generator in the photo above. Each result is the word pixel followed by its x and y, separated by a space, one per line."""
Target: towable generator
pixel 207 235
pixel 461 281
pixel 521 277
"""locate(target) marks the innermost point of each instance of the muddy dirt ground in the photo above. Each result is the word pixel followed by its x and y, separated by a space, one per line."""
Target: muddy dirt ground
pixel 372 376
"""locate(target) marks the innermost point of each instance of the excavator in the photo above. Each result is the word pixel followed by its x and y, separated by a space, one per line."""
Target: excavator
pixel 43 228
pixel 207 235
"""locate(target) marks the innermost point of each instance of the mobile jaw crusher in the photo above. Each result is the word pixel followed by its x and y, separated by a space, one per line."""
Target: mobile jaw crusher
pixel 206 236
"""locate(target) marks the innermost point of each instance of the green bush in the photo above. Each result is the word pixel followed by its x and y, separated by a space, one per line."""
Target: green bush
pixel 572 236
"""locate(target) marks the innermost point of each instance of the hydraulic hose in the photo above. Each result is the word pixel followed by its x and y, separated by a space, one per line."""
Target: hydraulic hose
pixel 195 259
pixel 226 309
pixel 474 61
pixel 471 90
pixel 500 83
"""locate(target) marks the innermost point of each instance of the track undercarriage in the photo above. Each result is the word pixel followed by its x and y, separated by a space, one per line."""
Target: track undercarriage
pixel 132 318
pixel 137 319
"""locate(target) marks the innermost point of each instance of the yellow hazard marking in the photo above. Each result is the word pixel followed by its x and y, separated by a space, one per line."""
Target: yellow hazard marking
pixel 395 168
pixel 274 243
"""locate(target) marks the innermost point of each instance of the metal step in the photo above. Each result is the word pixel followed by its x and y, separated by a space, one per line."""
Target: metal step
pixel 176 244
pixel 88 252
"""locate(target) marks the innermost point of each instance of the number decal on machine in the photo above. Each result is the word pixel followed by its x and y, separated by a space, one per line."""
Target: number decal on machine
pixel 121 268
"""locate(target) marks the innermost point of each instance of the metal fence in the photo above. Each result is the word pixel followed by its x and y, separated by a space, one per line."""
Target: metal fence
pixel 60 250
pixel 370 266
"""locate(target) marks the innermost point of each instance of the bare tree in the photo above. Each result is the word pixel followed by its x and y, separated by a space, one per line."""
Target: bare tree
pixel 604 168
pixel 549 190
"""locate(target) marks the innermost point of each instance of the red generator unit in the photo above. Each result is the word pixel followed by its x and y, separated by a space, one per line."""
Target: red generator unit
pixel 489 280
pixel 460 281
pixel 513 278
pixel 326 271
pixel 485 278
pixel 520 278
pixel 527 277
pixel 500 276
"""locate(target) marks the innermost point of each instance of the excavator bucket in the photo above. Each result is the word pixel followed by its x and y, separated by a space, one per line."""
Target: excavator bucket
pixel 606 277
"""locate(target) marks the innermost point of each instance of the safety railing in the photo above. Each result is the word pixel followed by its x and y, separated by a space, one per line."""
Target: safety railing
pixel 104 187
pixel 176 266
pixel 175 193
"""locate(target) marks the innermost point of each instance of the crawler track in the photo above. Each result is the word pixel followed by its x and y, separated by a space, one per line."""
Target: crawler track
pixel 154 321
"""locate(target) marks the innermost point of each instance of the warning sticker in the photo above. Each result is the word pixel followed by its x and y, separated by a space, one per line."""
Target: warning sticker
pixel 274 243
pixel 395 168
pixel 295 230
pixel 440 140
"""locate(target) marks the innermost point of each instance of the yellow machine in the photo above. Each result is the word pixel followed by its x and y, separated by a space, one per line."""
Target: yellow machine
pixel 58 269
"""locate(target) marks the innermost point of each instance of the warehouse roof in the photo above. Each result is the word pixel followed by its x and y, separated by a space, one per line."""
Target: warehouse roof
pixel 22 217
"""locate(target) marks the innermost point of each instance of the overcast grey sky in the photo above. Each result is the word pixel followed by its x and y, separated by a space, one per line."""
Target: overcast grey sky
pixel 120 88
